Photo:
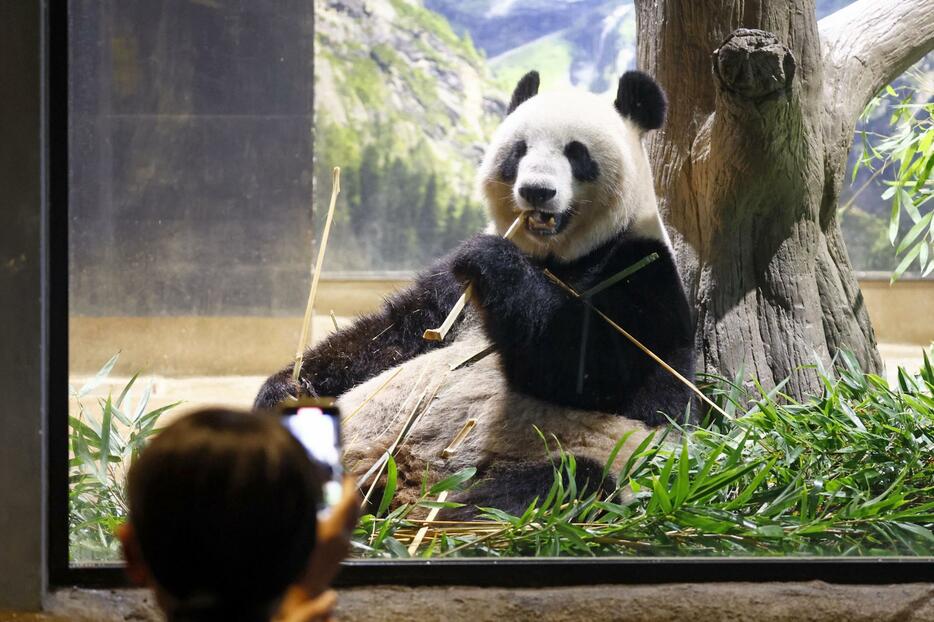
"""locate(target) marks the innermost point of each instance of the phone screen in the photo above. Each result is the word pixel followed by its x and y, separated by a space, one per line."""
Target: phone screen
pixel 317 427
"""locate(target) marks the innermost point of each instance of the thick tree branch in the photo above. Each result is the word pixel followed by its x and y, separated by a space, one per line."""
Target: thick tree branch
pixel 754 64
pixel 868 44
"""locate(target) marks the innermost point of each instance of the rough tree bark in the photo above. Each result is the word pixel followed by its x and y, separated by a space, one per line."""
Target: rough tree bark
pixel 763 106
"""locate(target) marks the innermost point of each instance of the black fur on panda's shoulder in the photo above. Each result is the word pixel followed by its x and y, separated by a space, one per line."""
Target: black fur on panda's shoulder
pixel 374 343
pixel 549 347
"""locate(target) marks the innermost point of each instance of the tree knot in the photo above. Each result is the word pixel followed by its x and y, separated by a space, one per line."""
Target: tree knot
pixel 754 64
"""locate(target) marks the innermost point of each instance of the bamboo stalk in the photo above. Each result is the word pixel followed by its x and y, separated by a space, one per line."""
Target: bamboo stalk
pixel 373 394
pixel 334 320
pixel 619 276
pixel 420 535
pixel 473 358
pixel 477 541
pixel 309 308
pixel 413 417
pixel 448 451
pixel 383 460
pixel 637 343
pixel 438 334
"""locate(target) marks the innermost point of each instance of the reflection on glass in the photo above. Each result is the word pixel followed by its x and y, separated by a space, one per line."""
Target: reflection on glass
pixel 536 427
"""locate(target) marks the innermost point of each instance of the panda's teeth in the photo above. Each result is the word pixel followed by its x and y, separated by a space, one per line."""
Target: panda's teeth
pixel 542 223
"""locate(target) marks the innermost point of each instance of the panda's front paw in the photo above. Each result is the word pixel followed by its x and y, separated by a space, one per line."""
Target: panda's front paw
pixel 275 391
pixel 487 261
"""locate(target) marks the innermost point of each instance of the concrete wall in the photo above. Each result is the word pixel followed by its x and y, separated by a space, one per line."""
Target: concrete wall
pixel 187 345
pixel 903 312
pixel 22 355
pixel 191 155
pixel 215 345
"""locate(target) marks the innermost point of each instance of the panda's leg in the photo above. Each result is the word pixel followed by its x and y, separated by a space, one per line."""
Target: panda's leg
pixel 511 486
pixel 372 344
pixel 660 397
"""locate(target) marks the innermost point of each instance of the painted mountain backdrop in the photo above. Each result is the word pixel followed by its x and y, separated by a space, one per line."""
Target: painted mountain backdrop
pixel 581 42
pixel 408 90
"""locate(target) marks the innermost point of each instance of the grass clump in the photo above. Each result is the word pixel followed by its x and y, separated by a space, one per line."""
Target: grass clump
pixel 103 441
pixel 849 472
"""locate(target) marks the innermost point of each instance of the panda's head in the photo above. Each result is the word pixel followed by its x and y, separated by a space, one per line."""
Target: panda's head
pixel 575 162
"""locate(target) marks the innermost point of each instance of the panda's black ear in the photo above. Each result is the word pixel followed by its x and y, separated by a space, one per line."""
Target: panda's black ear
pixel 526 89
pixel 640 98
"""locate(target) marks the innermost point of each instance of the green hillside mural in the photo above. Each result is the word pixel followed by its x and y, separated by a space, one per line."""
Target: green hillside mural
pixel 404 106
pixel 407 92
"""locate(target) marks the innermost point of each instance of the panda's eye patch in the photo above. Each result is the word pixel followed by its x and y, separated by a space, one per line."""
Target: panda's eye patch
pixel 582 165
pixel 509 168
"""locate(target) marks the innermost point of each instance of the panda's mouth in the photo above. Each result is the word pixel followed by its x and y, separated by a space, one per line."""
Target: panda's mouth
pixel 545 223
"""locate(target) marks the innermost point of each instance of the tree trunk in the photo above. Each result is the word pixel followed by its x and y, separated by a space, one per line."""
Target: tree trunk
pixel 763 103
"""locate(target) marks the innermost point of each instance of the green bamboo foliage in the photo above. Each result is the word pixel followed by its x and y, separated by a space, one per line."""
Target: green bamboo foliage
pixel 849 472
pixel 846 472
pixel 904 158
pixel 103 440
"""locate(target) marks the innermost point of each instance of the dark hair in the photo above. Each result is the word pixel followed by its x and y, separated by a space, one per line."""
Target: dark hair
pixel 224 505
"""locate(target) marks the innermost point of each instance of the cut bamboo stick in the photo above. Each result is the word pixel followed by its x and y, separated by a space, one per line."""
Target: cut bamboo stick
pixel 309 307
pixel 413 417
pixel 448 451
pixel 420 535
pixel 619 276
pixel 438 334
pixel 473 358
pixel 484 538
pixel 373 394
pixel 637 343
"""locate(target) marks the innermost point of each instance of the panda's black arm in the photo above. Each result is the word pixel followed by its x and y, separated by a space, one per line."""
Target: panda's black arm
pixel 537 327
pixel 373 343
pixel 605 371
pixel 516 299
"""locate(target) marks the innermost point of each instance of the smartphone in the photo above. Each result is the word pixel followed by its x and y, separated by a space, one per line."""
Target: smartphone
pixel 316 423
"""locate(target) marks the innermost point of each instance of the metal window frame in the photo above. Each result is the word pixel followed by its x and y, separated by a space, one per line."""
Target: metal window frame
pixel 503 572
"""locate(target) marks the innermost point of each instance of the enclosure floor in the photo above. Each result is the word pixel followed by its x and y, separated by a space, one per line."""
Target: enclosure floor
pixel 798 602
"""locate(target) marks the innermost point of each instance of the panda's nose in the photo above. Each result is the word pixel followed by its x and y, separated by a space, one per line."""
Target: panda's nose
pixel 536 195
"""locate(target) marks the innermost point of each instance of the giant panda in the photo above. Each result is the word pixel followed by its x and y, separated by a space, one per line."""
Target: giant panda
pixel 574 165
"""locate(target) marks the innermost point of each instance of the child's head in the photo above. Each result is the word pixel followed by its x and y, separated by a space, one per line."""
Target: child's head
pixel 222 514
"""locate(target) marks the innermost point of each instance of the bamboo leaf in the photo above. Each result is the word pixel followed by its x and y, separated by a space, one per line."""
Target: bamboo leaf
pixel 452 481
pixel 100 377
pixel 894 221
pixel 659 493
pixel 914 232
pixel 910 257
pixel 753 486
pixel 682 482
pixel 106 422
pixel 390 490
pixel 126 389
pixel 615 452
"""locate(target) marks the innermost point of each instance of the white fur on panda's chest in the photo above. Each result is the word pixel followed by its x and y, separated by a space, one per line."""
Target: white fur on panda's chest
pixel 505 419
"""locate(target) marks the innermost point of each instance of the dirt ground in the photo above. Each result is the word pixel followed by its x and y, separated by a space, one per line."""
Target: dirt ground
pixel 790 602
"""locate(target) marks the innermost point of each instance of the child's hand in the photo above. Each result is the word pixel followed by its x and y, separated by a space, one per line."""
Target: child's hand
pixel 331 546
pixel 333 541
pixel 319 609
